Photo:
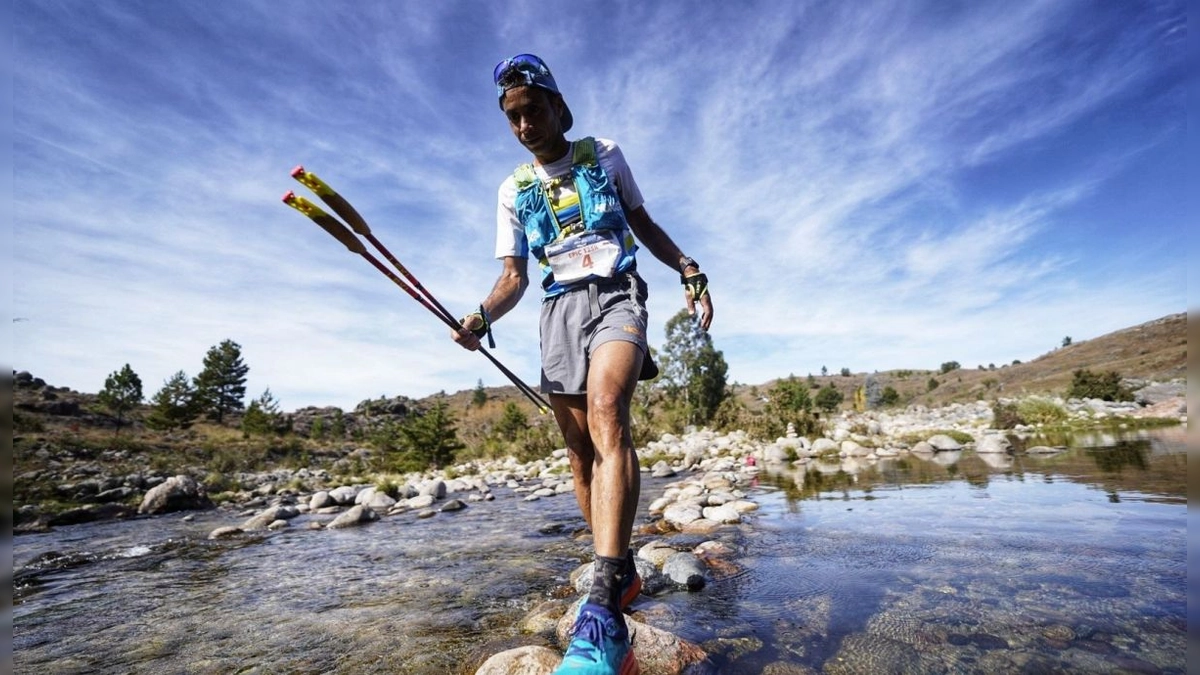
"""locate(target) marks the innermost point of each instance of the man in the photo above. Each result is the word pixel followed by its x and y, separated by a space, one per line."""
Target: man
pixel 577 210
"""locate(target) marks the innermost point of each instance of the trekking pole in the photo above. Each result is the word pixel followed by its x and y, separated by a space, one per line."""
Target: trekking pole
pixel 356 222
pixel 340 232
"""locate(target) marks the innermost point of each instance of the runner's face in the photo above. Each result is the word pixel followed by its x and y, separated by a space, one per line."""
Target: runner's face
pixel 534 115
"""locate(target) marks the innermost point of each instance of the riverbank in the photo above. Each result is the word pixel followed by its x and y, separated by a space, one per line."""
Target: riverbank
pixel 797 571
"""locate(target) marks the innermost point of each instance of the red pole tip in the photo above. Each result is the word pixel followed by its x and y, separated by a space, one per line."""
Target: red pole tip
pixel 289 196
pixel 298 170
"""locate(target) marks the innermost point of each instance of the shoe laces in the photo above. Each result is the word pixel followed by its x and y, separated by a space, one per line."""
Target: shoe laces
pixel 588 635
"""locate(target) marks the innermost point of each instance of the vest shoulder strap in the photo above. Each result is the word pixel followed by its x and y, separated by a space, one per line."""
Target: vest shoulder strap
pixel 524 176
pixel 584 152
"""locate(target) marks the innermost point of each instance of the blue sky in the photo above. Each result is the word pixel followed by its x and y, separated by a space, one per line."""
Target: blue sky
pixel 871 185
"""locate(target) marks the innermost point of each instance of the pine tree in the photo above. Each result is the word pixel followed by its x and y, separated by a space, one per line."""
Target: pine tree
pixel 479 397
pixel 829 398
pixel 174 406
pixel 262 417
pixel 431 438
pixel 122 392
pixel 221 386
pixel 512 422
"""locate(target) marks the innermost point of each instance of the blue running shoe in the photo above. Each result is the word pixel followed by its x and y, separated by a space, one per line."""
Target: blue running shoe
pixel 599 645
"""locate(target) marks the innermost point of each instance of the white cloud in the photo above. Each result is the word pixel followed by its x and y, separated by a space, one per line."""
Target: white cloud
pixel 870 186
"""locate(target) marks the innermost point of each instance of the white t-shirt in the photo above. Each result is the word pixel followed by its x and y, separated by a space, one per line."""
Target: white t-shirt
pixel 510 233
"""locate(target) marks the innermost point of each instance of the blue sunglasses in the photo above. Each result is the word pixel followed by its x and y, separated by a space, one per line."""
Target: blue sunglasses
pixel 523 70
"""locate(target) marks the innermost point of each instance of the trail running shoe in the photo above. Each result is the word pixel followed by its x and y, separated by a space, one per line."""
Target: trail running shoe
pixel 599 646
pixel 632 585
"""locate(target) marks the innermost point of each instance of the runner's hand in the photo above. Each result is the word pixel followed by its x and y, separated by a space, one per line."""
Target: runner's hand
pixel 695 288
pixel 466 336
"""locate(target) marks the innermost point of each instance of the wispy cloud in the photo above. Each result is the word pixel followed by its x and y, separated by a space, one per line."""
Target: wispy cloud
pixel 870 185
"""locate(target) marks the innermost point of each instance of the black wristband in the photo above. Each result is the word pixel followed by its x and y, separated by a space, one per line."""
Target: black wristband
pixel 485 329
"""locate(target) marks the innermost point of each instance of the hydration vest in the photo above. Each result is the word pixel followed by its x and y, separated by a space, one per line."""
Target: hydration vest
pixel 600 211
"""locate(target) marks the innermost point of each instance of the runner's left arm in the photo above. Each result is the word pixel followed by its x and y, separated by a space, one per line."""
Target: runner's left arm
pixel 660 244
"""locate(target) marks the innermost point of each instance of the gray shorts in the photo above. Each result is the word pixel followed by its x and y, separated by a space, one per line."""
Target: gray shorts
pixel 578 321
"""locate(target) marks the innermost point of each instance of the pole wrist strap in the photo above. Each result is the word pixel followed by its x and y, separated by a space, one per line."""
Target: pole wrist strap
pixel 485 326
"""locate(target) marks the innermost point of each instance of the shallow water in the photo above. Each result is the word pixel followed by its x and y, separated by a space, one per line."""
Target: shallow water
pixel 1074 562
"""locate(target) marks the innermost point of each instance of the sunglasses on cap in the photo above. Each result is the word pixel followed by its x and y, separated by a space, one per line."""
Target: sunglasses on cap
pixel 523 70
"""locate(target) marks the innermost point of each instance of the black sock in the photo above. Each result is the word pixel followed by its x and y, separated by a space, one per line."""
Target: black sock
pixel 609 574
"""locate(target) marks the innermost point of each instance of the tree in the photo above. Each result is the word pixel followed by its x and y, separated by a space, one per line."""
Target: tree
pixel 829 398
pixel 262 417
pixel 512 422
pixel 824 371
pixel 694 372
pixel 174 406
pixel 221 386
pixel 890 396
pixel 845 372
pixel 789 402
pixel 1066 341
pixel 122 392
pixel 430 438
pixel 1106 386
pixel 949 366
pixel 479 396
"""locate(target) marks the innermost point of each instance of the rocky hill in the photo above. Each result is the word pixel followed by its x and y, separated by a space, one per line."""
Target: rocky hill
pixel 1155 351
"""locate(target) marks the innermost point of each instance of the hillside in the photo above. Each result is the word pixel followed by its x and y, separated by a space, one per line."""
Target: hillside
pixel 1152 351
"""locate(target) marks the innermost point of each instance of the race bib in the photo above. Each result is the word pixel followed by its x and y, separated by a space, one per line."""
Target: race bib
pixel 580 256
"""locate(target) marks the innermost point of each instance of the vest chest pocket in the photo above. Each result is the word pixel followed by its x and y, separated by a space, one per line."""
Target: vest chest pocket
pixel 585 255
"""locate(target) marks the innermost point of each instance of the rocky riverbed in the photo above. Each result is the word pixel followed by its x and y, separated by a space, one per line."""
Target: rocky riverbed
pixel 707 473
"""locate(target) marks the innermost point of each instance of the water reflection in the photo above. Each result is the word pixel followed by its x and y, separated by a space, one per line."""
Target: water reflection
pixel 1140 463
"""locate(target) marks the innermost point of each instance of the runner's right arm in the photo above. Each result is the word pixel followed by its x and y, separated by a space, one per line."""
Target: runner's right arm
pixel 506 293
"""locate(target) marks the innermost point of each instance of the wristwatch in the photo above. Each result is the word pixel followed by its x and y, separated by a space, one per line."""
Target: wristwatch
pixel 686 261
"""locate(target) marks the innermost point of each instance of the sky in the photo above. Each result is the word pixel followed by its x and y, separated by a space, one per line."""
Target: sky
pixel 868 185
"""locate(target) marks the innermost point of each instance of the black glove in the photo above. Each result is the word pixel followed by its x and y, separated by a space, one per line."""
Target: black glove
pixel 696 285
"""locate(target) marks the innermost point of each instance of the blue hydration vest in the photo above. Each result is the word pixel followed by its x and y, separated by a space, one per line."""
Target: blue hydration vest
pixel 600 209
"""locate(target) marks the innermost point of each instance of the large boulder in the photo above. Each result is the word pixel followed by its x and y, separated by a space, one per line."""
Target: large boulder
pixel 177 493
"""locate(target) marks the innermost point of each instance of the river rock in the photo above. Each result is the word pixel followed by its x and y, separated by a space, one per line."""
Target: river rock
pixel 824 445
pixel 420 502
pixel 357 515
pixel 722 514
pixel 380 501
pixel 178 493
pixel 344 495
pixel 680 514
pixel 225 532
pixel 1159 392
pixel 263 520
pixel 320 500
pixel 435 488
pixel 686 570
pixel 658 651
pixel 543 618
pixel 942 442
pixel 992 444
pixel 528 660
pixel 453 505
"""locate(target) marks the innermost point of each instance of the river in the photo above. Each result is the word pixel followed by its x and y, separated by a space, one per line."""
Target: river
pixel 958 563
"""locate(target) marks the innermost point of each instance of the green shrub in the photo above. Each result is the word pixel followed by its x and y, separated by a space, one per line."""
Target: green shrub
pixel 1106 386
pixel 1041 411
